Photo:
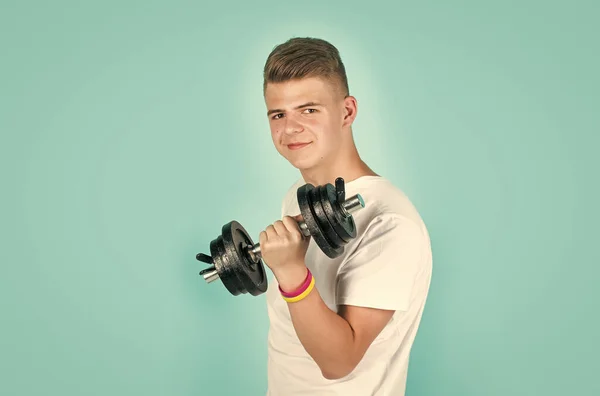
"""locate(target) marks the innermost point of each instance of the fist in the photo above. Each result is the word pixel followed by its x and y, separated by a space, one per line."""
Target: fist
pixel 282 244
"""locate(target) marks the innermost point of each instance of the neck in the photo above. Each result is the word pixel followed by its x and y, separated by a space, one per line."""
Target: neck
pixel 347 164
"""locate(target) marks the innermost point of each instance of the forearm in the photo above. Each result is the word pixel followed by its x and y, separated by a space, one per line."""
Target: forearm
pixel 327 337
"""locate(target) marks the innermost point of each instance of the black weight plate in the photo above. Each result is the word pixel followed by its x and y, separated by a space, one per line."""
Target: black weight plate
pixel 226 273
pixel 232 260
pixel 256 271
pixel 310 219
pixel 328 247
pixel 230 263
pixel 334 239
pixel 343 225
pixel 251 274
pixel 329 219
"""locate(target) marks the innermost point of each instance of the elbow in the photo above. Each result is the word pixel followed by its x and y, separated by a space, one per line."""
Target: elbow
pixel 338 371
pixel 332 376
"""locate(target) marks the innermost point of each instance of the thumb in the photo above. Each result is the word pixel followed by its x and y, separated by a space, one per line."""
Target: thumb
pixel 299 218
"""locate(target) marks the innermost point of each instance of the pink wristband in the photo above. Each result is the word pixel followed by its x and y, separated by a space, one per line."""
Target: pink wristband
pixel 300 289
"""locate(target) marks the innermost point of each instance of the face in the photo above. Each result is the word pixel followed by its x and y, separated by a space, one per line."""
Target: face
pixel 308 111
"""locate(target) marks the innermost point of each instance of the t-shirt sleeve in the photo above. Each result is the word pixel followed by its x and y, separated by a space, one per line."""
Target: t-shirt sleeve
pixel 380 271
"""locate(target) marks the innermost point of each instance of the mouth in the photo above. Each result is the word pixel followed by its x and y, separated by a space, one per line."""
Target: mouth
pixel 297 146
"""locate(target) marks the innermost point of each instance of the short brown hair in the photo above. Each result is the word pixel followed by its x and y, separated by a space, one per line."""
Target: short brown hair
pixel 301 57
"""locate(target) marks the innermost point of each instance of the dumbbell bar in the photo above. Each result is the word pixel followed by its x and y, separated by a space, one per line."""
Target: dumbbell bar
pixel 210 274
pixel 327 217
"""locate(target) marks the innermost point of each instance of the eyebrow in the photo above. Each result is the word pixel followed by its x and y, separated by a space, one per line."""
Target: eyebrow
pixel 308 104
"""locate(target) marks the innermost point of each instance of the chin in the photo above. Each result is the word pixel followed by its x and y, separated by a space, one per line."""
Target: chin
pixel 302 164
pixel 299 161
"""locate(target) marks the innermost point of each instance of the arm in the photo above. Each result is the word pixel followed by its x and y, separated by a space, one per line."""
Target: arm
pixel 336 342
pixel 375 281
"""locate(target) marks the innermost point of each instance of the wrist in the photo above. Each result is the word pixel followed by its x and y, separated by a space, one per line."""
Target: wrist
pixel 291 277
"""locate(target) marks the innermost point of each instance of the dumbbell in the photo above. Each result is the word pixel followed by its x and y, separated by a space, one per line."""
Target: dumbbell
pixel 327 217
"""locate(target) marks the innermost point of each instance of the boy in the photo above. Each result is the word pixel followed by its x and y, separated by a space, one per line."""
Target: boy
pixel 342 326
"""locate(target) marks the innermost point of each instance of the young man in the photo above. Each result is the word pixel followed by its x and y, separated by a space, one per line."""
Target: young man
pixel 350 329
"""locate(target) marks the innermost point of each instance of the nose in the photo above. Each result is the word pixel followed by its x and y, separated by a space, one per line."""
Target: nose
pixel 291 126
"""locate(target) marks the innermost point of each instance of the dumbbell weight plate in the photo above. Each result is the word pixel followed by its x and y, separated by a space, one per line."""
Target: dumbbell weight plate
pixel 252 275
pixel 226 272
pixel 343 226
pixel 309 218
pixel 336 243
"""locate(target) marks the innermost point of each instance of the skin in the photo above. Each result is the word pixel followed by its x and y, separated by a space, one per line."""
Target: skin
pixel 336 341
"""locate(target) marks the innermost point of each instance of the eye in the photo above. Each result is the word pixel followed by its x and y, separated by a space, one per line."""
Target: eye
pixel 312 110
pixel 276 116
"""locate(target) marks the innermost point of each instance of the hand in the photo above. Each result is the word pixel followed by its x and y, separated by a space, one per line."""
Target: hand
pixel 283 245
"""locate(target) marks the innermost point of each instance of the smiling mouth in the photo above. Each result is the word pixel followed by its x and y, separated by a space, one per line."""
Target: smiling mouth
pixel 298 146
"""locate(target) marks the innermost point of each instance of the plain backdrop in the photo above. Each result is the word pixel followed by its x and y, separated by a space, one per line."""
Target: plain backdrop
pixel 131 131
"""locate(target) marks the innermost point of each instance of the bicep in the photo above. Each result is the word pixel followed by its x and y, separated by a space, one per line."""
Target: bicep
pixel 366 323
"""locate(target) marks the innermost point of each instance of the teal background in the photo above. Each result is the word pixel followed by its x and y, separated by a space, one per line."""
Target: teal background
pixel 132 131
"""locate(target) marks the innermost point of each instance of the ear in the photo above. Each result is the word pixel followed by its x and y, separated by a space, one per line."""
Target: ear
pixel 350 110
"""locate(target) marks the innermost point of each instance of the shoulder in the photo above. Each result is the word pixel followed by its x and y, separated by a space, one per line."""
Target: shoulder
pixel 392 241
pixel 387 206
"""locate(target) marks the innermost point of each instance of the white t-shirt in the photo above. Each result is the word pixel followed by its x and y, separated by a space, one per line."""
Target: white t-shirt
pixel 388 265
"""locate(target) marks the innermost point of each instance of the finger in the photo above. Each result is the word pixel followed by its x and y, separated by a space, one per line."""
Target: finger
pixel 270 230
pixel 298 218
pixel 292 226
pixel 262 238
pixel 280 227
